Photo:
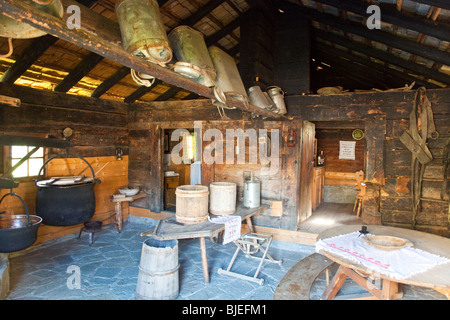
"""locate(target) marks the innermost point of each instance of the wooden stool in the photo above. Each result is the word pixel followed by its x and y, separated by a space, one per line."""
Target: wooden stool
pixel 250 244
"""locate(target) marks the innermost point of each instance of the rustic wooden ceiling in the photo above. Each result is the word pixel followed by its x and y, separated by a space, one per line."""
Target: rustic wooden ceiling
pixel 413 44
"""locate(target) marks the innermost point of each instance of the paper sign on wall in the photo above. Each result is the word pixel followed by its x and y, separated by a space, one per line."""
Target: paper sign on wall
pixel 347 150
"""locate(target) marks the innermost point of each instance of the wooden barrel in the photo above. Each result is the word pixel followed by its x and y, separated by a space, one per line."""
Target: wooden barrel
pixel 158 270
pixel 222 198
pixel 192 204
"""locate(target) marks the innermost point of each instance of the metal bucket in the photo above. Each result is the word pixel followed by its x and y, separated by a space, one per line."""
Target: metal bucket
pixel 189 46
pixel 277 96
pixel 259 98
pixel 252 193
pixel 12 28
pixel 228 77
pixel 142 30
pixel 18 232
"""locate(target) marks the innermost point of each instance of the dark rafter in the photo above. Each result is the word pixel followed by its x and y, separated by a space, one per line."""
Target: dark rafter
pixel 391 40
pixel 36 49
pixel 81 70
pixel 444 4
pixel 383 56
pixel 140 92
pixel 392 16
pixel 402 78
pixel 110 82
pixel 22 64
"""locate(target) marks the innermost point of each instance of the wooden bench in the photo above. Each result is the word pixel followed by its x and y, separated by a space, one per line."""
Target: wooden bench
pixel 297 282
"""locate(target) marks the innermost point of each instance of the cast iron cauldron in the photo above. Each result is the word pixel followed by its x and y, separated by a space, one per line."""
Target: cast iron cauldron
pixel 17 232
pixel 67 204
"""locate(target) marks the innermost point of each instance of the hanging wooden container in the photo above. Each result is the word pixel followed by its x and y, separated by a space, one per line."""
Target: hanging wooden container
pixel 189 47
pixel 142 29
pixel 192 204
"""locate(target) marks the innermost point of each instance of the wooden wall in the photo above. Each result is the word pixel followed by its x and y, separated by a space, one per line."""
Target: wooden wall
pixel 146 122
pixel 388 162
pixel 99 127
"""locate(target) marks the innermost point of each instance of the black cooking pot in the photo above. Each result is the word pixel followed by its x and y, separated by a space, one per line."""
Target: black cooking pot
pixel 67 204
pixel 17 232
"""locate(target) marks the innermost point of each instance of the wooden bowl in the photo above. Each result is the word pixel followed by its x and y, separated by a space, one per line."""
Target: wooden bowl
pixel 387 242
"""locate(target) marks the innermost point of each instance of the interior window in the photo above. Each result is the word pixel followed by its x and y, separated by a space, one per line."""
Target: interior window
pixel 31 166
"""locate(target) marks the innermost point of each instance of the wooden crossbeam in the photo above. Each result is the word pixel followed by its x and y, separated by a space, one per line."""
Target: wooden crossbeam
pixel 35 50
pixel 399 76
pixel 444 4
pixel 140 92
pixel 110 82
pixel 17 9
pixel 391 40
pixel 201 13
pixel 22 64
pixel 392 16
pixel 81 70
pixel 168 94
pixel 384 56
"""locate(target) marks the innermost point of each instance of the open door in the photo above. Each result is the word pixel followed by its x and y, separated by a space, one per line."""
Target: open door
pixel 306 170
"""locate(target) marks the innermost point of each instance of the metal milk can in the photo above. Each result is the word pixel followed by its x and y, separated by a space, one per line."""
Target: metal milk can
pixel 12 28
pixel 252 192
pixel 228 78
pixel 189 47
pixel 260 99
pixel 142 30
pixel 277 96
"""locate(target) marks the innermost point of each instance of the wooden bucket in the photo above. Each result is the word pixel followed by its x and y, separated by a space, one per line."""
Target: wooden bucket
pixel 158 270
pixel 222 198
pixel 192 204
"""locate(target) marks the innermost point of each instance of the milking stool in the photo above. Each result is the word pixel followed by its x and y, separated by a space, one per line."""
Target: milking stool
pixel 250 244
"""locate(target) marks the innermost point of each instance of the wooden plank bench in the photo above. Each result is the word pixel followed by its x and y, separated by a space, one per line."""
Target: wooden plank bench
pixel 297 282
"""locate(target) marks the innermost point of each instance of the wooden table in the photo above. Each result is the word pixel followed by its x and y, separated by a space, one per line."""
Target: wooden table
pixel 169 229
pixel 118 206
pixel 437 277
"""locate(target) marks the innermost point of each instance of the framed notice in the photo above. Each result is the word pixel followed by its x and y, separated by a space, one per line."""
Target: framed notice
pixel 347 150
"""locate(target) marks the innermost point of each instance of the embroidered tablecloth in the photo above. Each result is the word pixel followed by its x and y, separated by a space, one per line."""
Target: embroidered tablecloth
pixel 397 264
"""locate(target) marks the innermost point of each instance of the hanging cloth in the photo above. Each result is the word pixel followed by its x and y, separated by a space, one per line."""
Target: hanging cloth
pixel 421 127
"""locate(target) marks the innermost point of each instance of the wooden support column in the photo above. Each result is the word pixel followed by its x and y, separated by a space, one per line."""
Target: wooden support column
pixel 292 52
pixel 256 46
pixel 375 132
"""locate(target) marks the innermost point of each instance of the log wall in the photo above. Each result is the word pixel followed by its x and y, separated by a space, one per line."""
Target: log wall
pixel 387 161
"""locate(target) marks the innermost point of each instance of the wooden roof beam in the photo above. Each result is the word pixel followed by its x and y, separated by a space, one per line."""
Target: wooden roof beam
pixel 384 56
pixel 444 4
pixel 17 9
pixel 413 47
pixel 81 70
pixel 392 16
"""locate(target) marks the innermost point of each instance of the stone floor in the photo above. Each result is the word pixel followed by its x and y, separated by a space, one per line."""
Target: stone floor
pixel 108 270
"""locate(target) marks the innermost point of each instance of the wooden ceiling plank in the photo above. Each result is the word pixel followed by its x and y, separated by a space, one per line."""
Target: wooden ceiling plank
pixel 110 82
pixel 22 64
pixel 384 56
pixel 392 16
pixel 444 4
pixel 80 71
pixel 375 66
pixel 386 38
pixel 140 92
